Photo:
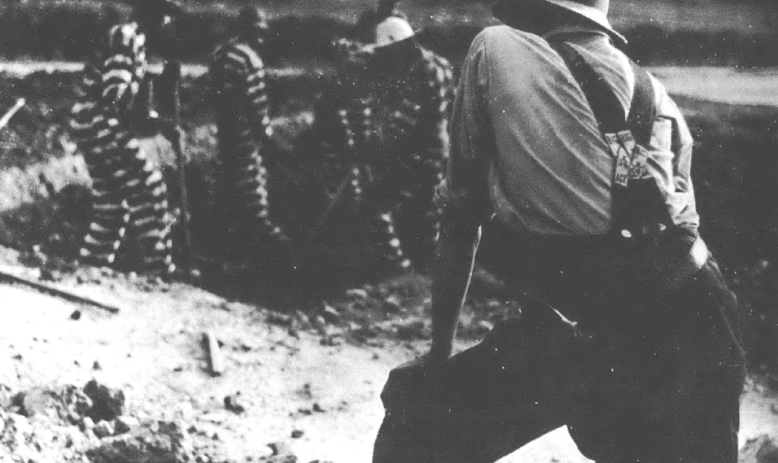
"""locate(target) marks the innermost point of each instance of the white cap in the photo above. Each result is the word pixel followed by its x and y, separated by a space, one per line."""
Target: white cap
pixel 391 30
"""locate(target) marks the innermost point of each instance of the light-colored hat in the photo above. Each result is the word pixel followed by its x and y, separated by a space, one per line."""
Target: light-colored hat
pixel 392 30
pixel 593 10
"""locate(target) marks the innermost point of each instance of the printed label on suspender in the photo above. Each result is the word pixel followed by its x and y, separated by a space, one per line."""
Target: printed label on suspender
pixel 627 140
pixel 631 158
pixel 613 142
pixel 623 159
pixel 639 167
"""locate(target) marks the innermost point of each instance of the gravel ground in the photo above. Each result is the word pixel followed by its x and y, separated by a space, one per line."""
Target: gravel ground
pixel 306 376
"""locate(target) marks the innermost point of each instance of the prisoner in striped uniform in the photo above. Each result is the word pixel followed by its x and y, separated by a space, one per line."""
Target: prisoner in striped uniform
pixel 346 129
pixel 130 215
pixel 239 94
pixel 414 90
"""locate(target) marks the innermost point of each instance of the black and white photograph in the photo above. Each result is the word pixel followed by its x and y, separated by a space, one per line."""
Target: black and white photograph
pixel 388 231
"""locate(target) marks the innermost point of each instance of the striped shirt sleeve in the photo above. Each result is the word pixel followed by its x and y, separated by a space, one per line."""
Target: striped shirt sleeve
pixel 436 93
pixel 123 67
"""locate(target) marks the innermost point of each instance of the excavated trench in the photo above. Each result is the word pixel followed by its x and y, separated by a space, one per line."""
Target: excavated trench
pixel 44 186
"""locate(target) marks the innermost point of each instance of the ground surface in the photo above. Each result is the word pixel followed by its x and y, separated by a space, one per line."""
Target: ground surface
pixel 298 372
pixel 294 373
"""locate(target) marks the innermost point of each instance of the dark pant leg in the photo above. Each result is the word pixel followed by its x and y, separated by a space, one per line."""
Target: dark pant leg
pixel 487 401
pixel 672 393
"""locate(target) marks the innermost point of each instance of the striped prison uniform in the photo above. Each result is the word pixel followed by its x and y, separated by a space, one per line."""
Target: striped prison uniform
pixel 416 146
pixel 345 127
pixel 240 97
pixel 130 226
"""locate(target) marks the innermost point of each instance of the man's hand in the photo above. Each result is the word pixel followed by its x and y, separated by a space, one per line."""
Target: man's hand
pixel 408 380
pixel 429 360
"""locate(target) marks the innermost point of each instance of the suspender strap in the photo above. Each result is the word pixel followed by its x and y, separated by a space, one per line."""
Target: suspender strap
pixel 642 111
pixel 639 205
pixel 603 101
pixel 599 94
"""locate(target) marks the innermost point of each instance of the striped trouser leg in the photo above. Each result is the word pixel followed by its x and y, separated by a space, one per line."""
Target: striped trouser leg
pixel 107 228
pixel 151 225
pixel 387 244
pixel 383 239
pixel 143 186
pixel 150 218
pixel 245 180
pixel 419 224
pixel 109 216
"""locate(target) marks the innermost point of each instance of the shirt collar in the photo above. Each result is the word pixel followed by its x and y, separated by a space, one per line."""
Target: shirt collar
pixel 576 30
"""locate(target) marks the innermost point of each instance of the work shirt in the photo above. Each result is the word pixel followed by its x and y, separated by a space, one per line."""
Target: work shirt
pixel 527 148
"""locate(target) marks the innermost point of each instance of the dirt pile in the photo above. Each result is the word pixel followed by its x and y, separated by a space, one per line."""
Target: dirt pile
pixel 53 424
pixel 90 424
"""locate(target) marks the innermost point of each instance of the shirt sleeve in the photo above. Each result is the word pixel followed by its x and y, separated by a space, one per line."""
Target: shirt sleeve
pixel 672 139
pixel 464 188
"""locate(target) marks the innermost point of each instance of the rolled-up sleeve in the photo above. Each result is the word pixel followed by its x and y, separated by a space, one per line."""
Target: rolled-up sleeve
pixel 464 188
pixel 678 143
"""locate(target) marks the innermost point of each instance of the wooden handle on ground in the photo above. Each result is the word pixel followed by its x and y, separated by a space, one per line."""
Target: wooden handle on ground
pixel 215 361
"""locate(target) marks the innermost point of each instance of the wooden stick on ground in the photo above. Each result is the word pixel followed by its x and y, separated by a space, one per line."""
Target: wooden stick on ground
pixel 52 291
pixel 215 362
pixel 8 115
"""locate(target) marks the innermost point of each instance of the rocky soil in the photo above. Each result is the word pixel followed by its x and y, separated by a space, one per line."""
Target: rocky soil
pixel 300 379
pixel 302 370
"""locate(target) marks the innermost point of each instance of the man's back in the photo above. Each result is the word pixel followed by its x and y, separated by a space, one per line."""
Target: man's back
pixel 552 171
pixel 238 77
pixel 652 368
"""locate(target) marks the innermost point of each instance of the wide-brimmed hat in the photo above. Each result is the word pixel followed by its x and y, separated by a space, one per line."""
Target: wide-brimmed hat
pixel 595 11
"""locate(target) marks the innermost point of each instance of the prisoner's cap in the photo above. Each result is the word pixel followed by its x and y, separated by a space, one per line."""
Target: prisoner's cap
pixel 392 30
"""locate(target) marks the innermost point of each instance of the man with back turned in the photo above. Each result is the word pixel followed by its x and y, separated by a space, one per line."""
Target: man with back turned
pixel 577 164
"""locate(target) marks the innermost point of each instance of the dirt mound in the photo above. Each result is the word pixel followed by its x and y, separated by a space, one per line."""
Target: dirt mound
pixel 44 202
pixel 71 424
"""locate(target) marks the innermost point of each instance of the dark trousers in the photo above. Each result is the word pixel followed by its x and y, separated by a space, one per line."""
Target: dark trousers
pixel 635 378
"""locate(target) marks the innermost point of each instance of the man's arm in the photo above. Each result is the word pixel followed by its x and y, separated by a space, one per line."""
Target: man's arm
pixel 465 202
pixel 454 261
pixel 672 140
